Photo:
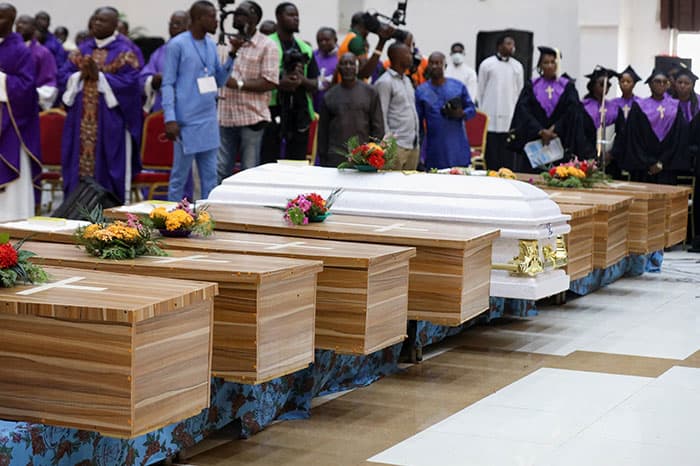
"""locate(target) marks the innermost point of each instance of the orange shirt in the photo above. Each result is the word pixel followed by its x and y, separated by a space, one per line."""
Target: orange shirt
pixel 418 77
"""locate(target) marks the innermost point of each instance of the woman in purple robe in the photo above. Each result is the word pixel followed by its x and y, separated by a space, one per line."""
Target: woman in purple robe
pixel 627 80
pixel 685 93
pixel 595 104
pixel 548 108
pixel 655 142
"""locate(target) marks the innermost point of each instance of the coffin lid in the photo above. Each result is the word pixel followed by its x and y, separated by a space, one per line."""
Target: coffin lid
pixel 519 209
pixel 103 296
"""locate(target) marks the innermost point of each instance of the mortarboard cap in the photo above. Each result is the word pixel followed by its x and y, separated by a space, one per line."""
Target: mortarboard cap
pixel 544 50
pixel 656 72
pixel 685 71
pixel 599 71
pixel 630 71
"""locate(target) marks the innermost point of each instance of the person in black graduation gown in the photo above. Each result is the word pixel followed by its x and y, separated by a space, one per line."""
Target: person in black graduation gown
pixel 655 140
pixel 597 90
pixel 548 107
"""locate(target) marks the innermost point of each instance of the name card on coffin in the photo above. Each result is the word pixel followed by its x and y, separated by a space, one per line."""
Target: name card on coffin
pixel 448 278
pixel 528 220
pixel 611 222
pixel 122 355
pixel 362 292
pixel 263 315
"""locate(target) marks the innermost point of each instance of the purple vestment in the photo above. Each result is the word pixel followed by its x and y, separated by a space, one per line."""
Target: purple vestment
pixel 547 92
pixel 101 140
pixel 155 66
pixel 326 67
pixel 625 105
pixel 45 65
pixel 660 113
pixel 20 119
pixel 56 48
pixel 687 109
pixel 592 107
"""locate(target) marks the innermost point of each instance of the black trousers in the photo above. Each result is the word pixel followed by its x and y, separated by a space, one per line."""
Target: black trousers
pixel 497 153
pixel 296 142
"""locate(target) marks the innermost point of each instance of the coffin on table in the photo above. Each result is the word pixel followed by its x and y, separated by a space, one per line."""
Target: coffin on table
pixel 579 242
pixel 263 315
pixel 528 220
pixel 122 355
pixel 611 225
pixel 448 278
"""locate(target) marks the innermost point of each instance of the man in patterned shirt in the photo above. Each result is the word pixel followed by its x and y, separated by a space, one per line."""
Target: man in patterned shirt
pixel 243 109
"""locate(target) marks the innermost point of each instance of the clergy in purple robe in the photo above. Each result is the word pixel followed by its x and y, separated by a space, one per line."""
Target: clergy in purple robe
pixel 102 133
pixel 656 136
pixel 45 76
pixel 627 79
pixel 48 40
pixel 20 165
pixel 151 76
pixel 548 107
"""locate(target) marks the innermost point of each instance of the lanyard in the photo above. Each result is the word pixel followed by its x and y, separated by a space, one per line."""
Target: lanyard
pixel 196 49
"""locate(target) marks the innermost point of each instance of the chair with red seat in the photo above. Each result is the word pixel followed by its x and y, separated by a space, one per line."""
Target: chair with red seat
pixel 476 133
pixel 51 131
pixel 156 158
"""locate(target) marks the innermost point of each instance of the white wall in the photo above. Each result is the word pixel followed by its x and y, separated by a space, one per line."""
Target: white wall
pixel 612 33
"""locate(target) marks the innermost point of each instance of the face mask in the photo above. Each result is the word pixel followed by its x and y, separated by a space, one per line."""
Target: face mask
pixel 457 58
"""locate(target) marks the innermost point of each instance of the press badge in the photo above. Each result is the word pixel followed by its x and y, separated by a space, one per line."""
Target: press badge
pixel 206 85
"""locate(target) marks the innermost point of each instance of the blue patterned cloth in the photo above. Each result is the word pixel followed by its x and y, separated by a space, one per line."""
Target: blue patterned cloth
pixel 633 265
pixel 427 333
pixel 256 406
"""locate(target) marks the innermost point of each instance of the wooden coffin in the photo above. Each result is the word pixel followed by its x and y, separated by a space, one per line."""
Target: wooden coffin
pixel 448 278
pixel 263 315
pixel 122 355
pixel 369 281
pixel 672 200
pixel 611 224
pixel 362 293
pixel 579 242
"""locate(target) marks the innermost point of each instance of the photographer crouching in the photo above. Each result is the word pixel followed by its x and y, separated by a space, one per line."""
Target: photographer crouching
pixel 291 105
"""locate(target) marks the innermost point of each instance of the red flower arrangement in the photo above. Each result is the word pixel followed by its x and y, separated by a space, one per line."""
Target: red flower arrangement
pixel 15 265
pixel 310 207
pixel 370 156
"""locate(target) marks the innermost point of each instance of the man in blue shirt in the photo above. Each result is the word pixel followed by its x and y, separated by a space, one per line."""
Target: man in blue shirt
pixel 191 78
pixel 444 104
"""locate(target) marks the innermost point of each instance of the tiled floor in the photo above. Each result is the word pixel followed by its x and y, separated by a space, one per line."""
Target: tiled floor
pixel 608 379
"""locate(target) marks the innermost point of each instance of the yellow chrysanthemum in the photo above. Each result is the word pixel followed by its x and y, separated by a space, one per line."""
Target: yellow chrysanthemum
pixel 506 173
pixel 90 231
pixel 159 212
pixel 203 217
pixel 562 172
pixel 576 172
pixel 178 219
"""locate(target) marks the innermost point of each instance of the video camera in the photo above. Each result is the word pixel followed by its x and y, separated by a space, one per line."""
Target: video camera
pixel 373 23
pixel 291 58
pixel 223 15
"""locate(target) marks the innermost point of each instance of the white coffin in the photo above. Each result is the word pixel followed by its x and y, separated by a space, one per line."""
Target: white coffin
pixel 521 211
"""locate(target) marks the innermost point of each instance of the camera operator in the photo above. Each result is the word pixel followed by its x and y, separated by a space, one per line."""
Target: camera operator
pixel 444 103
pixel 243 107
pixel 291 105
pixel 355 41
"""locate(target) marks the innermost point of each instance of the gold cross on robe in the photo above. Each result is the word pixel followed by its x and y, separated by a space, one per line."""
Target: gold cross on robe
pixel 549 91
pixel 661 111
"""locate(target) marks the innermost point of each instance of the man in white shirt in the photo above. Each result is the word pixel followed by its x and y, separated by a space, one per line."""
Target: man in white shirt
pixel 457 69
pixel 500 83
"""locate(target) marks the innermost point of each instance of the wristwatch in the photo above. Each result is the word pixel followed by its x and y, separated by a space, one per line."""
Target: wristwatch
pixel 240 83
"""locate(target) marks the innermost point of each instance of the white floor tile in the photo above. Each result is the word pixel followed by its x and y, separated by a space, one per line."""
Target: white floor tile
pixel 431 448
